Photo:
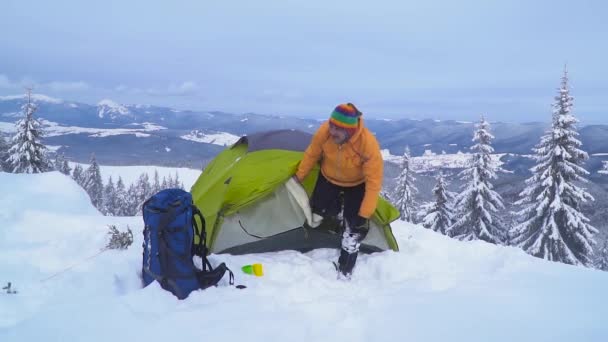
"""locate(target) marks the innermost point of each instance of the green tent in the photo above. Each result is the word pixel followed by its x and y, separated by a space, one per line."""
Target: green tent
pixel 251 204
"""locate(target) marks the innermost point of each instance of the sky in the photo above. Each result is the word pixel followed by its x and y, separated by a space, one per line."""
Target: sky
pixel 394 59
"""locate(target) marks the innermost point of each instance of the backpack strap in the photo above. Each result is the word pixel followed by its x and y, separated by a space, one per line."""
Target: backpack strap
pixel 201 249
pixel 209 276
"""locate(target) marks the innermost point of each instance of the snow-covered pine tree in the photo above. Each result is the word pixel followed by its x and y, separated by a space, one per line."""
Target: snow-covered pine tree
pixel 439 215
pixel 27 154
pixel 165 184
pixel 176 182
pixel 122 203
pixel 156 185
pixel 61 164
pixel 93 183
pixel 143 190
pixel 477 205
pixel 553 226
pixel 110 200
pixel 602 257
pixel 3 154
pixel 406 189
pixel 58 163
pixel 65 168
pixel 78 175
pixel 132 200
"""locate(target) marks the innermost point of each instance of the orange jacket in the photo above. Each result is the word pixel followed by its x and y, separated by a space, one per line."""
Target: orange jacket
pixel 356 161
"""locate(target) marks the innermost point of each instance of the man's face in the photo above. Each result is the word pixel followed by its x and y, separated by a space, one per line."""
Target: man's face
pixel 339 135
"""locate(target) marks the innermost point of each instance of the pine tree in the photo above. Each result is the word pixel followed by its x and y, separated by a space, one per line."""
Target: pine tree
pixel 143 190
pixel 438 216
pixel 176 182
pixel 404 193
pixel 27 154
pixel 132 201
pixel 156 185
pixel 65 168
pixel 602 259
pixel 553 226
pixel 477 205
pixel 110 200
pixel 61 164
pixel 78 175
pixel 3 154
pixel 93 183
pixel 164 184
pixel 122 203
pixel 58 163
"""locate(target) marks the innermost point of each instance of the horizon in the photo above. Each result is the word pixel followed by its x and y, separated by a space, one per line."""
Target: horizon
pixel 5 97
pixel 449 61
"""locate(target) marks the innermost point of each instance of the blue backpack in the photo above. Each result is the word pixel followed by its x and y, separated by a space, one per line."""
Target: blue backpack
pixel 170 227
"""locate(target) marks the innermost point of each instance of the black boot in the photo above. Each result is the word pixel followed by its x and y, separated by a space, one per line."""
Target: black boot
pixel 346 262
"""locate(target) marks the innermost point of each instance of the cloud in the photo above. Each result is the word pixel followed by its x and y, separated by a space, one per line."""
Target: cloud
pixel 187 88
pixel 6 83
pixel 53 86
pixel 184 89
pixel 67 86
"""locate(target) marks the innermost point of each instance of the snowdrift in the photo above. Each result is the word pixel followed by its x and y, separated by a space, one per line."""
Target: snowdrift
pixel 434 289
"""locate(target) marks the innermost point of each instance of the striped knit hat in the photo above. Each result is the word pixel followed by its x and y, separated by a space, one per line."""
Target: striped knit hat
pixel 346 116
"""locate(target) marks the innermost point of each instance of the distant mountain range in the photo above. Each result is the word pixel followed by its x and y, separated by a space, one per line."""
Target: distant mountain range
pixel 142 134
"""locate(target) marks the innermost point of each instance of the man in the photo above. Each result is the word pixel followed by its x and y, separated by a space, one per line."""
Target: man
pixel 351 165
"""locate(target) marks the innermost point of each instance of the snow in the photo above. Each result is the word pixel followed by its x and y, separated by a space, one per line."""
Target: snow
pixel 130 174
pixel 435 289
pixel 111 108
pixel 52 129
pixel 218 138
pixel 605 169
pixel 35 98
pixel 600 154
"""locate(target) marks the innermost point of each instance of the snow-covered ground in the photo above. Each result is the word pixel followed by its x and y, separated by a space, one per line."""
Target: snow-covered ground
pixel 434 289
pixel 53 129
pixel 217 138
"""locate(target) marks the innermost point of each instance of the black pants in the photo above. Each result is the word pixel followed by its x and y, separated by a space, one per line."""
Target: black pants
pixel 326 201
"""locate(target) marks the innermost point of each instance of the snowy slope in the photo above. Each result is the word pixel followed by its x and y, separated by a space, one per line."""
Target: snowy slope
pixel 435 289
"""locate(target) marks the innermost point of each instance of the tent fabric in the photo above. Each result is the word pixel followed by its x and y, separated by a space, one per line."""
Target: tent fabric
pixel 284 139
pixel 244 197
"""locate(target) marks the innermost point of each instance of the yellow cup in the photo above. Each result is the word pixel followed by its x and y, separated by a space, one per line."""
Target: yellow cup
pixel 255 269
